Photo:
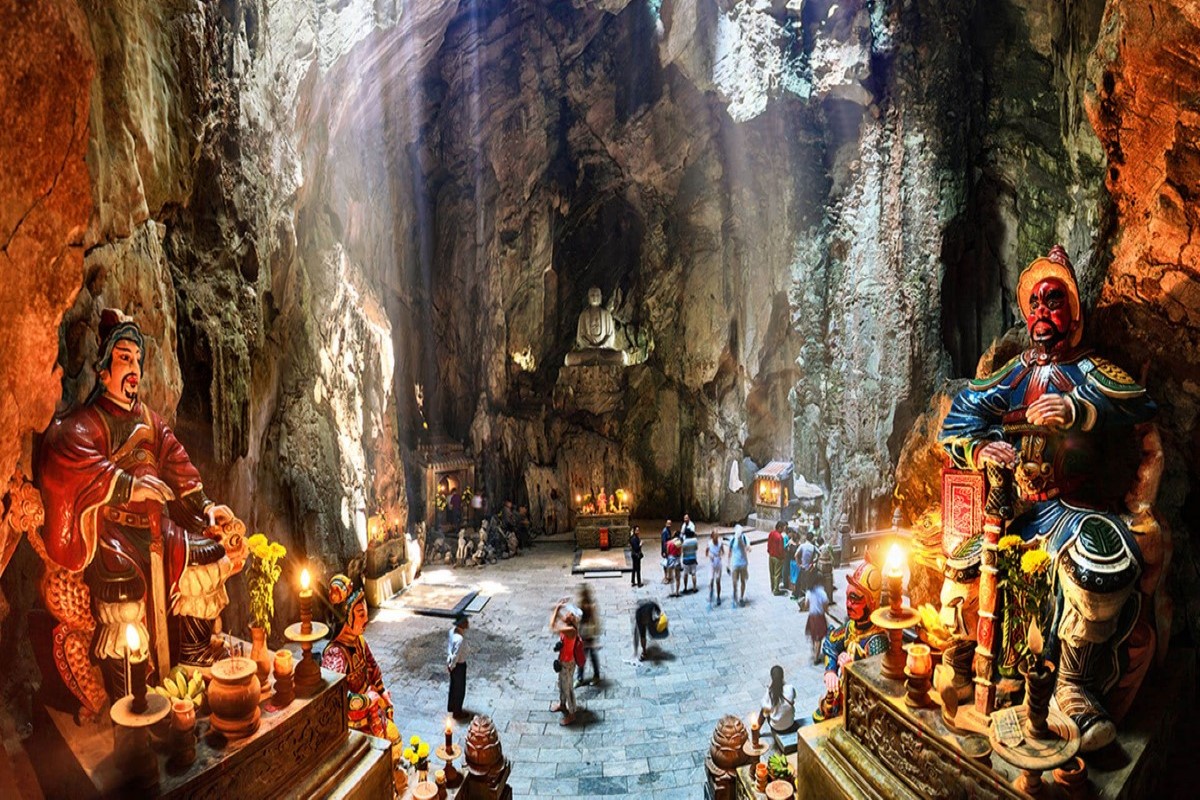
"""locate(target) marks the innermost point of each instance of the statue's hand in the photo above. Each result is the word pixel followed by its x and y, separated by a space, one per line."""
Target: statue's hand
pixel 831 682
pixel 1001 454
pixel 220 515
pixel 148 488
pixel 1050 410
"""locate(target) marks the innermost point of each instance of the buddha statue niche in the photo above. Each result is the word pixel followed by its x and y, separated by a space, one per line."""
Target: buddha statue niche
pixel 595 335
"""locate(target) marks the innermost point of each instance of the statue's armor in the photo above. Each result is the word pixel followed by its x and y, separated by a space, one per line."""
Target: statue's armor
pixel 364 682
pixel 859 643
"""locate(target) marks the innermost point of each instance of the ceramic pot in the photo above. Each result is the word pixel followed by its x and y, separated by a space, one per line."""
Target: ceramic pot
pixel 183 714
pixel 1073 779
pixel 424 791
pixel 780 790
pixel 261 656
pixel 233 697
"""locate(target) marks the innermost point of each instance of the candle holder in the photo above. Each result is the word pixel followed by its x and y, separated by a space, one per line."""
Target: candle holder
pixel 1039 688
pixel 449 755
pixel 285 686
pixel 132 740
pixel 894 622
pixel 183 734
pixel 918 671
pixel 307 678
pixel 1030 754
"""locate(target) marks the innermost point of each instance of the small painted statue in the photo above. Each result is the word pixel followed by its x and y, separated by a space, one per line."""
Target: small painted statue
pixel 463 552
pixel 856 638
pixel 130 536
pixel 370 706
pixel 1056 415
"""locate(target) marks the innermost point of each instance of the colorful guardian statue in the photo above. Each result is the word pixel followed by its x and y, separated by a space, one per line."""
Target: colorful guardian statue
pixel 857 638
pixel 1053 415
pixel 370 703
pixel 130 537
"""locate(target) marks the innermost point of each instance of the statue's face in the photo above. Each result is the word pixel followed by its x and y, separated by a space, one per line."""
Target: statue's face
pixel 594 297
pixel 1049 320
pixel 123 375
pixel 356 623
pixel 858 604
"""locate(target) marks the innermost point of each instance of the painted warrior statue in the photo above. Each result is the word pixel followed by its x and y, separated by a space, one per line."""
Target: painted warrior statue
pixel 1049 415
pixel 370 706
pixel 130 536
pixel 856 638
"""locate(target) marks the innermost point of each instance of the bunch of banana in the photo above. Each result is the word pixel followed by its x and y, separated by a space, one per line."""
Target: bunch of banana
pixel 938 634
pixel 178 686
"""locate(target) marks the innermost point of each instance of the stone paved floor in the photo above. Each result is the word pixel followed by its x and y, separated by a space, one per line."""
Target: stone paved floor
pixel 644 732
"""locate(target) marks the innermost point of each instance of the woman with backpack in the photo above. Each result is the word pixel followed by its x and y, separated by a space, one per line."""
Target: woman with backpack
pixel 572 655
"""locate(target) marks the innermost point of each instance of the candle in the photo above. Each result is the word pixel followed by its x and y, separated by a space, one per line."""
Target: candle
pixel 137 669
pixel 449 736
pixel 754 728
pixel 893 574
pixel 1034 640
pixel 305 604
pixel 920 662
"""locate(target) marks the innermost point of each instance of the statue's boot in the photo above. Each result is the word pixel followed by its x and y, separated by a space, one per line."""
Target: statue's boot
pixel 1075 698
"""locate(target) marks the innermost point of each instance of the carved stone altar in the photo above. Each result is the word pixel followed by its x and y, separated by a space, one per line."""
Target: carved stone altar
pixel 303 750
pixel 882 749
pixel 587 529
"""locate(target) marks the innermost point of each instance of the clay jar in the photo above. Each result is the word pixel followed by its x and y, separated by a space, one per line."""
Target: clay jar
pixel 233 696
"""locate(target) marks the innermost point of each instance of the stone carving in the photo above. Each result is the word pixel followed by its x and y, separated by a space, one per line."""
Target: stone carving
pixel 725 755
pixel 487 769
pixel 595 335
pixel 107 470
pixel 463 552
pixel 1050 416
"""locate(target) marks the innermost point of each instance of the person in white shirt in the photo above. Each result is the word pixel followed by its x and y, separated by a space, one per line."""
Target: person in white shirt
pixel 779 703
pixel 456 665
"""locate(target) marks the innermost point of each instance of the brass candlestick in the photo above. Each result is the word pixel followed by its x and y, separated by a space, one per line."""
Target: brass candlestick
pixel 448 755
pixel 895 617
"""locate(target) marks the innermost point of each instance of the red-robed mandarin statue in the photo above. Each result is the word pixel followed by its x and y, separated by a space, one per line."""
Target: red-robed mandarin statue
pixel 130 536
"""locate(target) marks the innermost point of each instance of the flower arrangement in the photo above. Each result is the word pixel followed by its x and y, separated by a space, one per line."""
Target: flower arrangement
pixel 262 573
pixel 417 753
pixel 1024 570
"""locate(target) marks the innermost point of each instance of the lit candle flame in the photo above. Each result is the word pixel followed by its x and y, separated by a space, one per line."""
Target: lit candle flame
pixel 448 727
pixel 1035 638
pixel 132 640
pixel 894 563
pixel 304 580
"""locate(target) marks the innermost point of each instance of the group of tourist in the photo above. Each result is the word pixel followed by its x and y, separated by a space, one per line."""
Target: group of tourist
pixel 680 550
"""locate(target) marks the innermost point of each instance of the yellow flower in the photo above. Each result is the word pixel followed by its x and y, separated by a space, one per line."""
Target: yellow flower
pixel 407 755
pixel 414 741
pixel 1035 561
pixel 278 550
pixel 260 552
pixel 1010 542
pixel 423 751
pixel 257 540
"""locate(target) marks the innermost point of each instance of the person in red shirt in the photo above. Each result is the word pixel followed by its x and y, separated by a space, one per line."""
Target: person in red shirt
pixel 775 558
pixel 572 655
pixel 674 566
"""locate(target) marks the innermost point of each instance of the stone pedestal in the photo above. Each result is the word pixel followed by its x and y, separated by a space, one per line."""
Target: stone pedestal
pixel 587 530
pixel 594 388
pixel 303 750
pixel 882 749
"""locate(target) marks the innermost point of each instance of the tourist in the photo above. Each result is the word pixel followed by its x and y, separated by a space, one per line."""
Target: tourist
pixel 648 618
pixel 635 555
pixel 806 556
pixel 666 537
pixel 817 627
pixel 687 526
pixel 716 550
pixel 589 631
pixel 775 557
pixel 779 703
pixel 476 507
pixel 825 566
pixel 674 552
pixel 564 621
pixel 455 503
pixel 791 572
pixel 456 665
pixel 524 539
pixel 739 563
pixel 688 558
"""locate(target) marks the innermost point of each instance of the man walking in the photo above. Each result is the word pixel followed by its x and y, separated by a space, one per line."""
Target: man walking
pixel 775 557
pixel 635 555
pixel 739 563
pixel 825 566
pixel 456 664
pixel 688 558
pixel 807 556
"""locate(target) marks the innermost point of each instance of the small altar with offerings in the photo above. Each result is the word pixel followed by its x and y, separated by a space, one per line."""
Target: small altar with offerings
pixel 602 521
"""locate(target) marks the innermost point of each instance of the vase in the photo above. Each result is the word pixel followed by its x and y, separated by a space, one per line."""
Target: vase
pixel 233 697
pixel 261 656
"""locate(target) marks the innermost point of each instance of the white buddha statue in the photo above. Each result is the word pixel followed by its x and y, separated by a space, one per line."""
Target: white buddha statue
pixel 595 335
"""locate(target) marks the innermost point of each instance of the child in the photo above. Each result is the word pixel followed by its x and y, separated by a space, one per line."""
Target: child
pixel 715 550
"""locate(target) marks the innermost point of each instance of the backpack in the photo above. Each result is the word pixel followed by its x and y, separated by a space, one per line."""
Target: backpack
pixel 580 653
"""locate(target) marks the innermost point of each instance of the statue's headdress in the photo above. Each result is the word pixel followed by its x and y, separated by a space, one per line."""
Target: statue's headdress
pixel 115 326
pixel 343 594
pixel 867 579
pixel 1057 265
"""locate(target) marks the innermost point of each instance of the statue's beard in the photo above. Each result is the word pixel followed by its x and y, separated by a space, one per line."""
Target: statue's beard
pixel 129 389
